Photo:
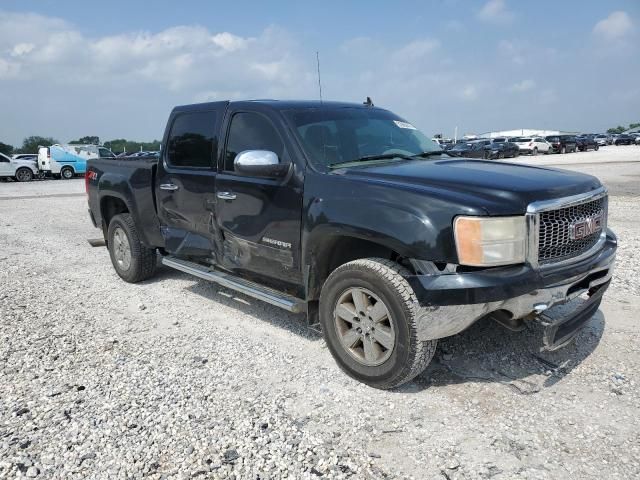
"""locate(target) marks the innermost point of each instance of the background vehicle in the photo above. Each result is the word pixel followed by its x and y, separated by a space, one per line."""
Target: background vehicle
pixel 67 161
pixel 349 213
pixel 603 140
pixel 25 156
pixel 562 143
pixel 586 142
pixel 470 149
pixel 18 169
pixel 533 145
pixel 624 139
pixel 501 150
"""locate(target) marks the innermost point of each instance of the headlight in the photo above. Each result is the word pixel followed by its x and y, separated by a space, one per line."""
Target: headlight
pixel 490 241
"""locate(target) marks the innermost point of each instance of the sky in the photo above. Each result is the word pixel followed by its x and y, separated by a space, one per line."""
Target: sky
pixel 70 68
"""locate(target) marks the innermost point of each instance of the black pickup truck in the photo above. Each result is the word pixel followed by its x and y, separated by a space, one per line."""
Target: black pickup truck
pixel 349 214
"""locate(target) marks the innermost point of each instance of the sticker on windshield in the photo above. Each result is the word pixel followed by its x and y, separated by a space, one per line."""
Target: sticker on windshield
pixel 404 125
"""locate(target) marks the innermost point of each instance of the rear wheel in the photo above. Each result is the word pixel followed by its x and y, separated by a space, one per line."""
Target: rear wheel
pixel 535 151
pixel 500 154
pixel 596 148
pixel 24 175
pixel 563 149
pixel 368 313
pixel 66 173
pixel 132 261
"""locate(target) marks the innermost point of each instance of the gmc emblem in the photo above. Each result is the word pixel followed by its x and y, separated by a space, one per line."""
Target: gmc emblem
pixel 586 227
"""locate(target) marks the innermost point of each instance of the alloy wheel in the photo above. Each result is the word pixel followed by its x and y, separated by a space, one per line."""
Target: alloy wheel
pixel 121 249
pixel 364 326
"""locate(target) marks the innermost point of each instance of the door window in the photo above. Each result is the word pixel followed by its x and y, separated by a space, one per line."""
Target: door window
pixel 192 140
pixel 251 131
pixel 105 153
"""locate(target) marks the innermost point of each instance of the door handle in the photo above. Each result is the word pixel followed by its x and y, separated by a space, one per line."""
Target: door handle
pixel 226 195
pixel 169 186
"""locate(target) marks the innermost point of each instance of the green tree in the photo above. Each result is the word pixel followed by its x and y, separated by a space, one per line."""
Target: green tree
pixel 6 148
pixel 120 145
pixel 31 144
pixel 634 125
pixel 88 140
pixel 618 129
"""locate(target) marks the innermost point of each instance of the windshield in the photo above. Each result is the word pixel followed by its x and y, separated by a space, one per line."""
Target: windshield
pixel 499 140
pixel 339 135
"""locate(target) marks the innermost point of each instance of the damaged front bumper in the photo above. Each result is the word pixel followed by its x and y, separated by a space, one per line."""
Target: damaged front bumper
pixel 451 302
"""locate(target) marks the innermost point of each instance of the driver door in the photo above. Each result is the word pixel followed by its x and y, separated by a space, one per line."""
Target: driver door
pixel 259 217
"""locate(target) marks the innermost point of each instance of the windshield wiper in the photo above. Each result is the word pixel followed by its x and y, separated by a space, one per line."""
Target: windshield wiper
pixel 430 153
pixel 367 158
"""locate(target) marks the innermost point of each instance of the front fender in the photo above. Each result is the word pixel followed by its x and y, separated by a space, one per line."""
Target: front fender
pixel 400 227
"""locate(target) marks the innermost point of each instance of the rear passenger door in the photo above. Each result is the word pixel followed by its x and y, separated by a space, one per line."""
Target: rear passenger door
pixel 185 181
pixel 260 217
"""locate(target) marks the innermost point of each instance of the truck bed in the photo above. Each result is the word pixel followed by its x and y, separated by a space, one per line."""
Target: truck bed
pixel 130 180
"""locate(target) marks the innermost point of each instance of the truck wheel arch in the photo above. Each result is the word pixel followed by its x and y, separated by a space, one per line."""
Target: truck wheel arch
pixel 110 206
pixel 337 250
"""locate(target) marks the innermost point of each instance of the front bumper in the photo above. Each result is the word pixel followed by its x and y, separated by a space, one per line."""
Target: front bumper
pixel 451 302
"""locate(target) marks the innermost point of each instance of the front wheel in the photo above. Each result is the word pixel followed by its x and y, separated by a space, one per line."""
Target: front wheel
pixel 132 261
pixel 368 313
pixel 563 150
pixel 66 173
pixel 24 175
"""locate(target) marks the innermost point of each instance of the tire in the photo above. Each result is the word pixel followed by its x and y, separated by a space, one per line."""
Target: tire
pixel 67 173
pixel 383 281
pixel 500 155
pixel 24 174
pixel 535 151
pixel 141 262
pixel 596 148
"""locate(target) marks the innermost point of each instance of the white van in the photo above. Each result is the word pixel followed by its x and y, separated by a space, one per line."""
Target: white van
pixel 66 161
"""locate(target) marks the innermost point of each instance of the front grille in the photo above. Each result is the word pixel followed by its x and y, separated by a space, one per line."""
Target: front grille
pixel 554 243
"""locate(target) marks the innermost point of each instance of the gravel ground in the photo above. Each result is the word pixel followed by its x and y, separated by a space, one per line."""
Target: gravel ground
pixel 178 378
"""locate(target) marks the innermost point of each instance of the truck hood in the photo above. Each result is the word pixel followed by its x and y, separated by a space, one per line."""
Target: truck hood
pixel 500 188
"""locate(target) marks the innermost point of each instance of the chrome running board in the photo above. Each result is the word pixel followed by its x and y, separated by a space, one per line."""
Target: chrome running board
pixel 268 295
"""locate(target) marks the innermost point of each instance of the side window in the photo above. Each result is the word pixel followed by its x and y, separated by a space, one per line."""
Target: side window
pixel 4 159
pixel 192 140
pixel 104 153
pixel 251 131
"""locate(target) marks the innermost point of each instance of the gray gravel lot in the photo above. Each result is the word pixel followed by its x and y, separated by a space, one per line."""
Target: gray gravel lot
pixel 179 378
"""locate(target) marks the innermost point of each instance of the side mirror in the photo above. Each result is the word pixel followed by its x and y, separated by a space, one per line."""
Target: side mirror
pixel 260 163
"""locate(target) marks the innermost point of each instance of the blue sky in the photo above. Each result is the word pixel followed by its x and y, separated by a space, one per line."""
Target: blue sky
pixel 115 69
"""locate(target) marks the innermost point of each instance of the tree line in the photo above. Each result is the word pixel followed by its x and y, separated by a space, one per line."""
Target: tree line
pixel 118 145
pixel 621 129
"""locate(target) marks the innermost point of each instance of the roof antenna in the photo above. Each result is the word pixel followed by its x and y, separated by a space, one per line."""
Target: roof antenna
pixel 368 102
pixel 319 82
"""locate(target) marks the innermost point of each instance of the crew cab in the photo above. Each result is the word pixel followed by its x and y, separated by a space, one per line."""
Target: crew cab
pixel 348 214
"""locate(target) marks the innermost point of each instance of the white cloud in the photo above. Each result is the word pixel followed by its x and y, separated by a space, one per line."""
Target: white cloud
pixel 416 50
pixel 51 66
pixel 469 92
pixel 523 86
pixel 512 50
pixel 21 49
pixel 495 11
pixel 617 25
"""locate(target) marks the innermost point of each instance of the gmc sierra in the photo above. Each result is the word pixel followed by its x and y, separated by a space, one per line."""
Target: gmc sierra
pixel 348 213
